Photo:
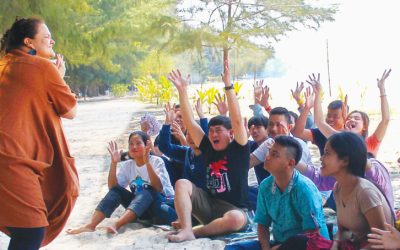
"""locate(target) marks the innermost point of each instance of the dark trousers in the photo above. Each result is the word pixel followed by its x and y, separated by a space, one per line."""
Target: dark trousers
pixel 25 238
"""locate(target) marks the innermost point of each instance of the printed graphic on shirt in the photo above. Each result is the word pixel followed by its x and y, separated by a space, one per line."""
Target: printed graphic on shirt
pixel 217 177
pixel 138 184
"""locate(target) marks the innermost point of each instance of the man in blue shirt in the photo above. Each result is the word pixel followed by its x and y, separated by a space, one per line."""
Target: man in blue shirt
pixel 287 200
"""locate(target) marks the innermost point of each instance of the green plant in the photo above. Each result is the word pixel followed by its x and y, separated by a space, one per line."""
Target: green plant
pixel 237 87
pixel 150 89
pixel 166 90
pixel 341 95
pixel 211 93
pixel 202 95
pixel 119 89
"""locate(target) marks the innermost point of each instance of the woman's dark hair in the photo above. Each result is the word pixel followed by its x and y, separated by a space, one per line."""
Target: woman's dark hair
pixel 365 119
pixel 14 37
pixel 142 136
pixel 351 146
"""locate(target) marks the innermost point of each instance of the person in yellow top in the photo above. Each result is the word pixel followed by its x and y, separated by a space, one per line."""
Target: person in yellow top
pixel 38 181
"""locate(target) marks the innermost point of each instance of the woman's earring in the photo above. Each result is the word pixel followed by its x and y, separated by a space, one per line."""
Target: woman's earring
pixel 32 52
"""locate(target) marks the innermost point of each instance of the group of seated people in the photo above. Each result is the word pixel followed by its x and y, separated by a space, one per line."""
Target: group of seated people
pixel 197 173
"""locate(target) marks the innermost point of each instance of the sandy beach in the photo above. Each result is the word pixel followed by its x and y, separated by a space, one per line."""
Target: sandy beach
pixel 112 119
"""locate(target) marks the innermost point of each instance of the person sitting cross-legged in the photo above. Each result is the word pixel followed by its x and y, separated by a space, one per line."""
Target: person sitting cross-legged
pixel 222 208
pixel 148 180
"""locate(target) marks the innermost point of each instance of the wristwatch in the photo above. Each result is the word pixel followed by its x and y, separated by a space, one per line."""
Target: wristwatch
pixel 229 87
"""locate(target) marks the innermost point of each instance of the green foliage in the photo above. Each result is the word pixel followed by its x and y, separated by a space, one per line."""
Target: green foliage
pixel 166 90
pixel 119 89
pixel 202 95
pixel 211 93
pixel 341 95
pixel 208 96
pixel 237 87
pixel 156 63
pixel 150 89
pixel 240 24
pixel 108 42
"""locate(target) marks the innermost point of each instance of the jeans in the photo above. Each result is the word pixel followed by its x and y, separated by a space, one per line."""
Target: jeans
pixel 147 201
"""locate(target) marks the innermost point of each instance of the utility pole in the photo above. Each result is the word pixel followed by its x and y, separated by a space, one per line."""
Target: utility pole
pixel 327 62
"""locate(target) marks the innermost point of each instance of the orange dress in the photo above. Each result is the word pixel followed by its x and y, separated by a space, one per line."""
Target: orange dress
pixel 38 179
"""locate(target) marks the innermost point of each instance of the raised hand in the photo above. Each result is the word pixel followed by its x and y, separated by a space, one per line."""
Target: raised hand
pixel 297 92
pixel 309 96
pixel 258 90
pixel 381 82
pixel 225 76
pixel 169 113
pixel 199 109
pixel 315 83
pixel 114 152
pixel 146 151
pixel 264 97
pixel 180 82
pixel 177 132
pixel 60 64
pixel 221 104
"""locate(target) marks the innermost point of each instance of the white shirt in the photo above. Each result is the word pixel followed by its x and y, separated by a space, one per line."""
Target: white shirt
pixel 262 151
pixel 128 171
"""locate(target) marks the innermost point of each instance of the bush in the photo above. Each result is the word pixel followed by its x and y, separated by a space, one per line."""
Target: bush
pixel 150 89
pixel 119 89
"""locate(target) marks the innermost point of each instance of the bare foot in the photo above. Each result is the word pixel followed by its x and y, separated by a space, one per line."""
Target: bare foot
pixel 182 235
pixel 112 229
pixel 85 228
pixel 176 224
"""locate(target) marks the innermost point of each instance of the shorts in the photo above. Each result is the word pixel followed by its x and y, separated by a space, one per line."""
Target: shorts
pixel 206 208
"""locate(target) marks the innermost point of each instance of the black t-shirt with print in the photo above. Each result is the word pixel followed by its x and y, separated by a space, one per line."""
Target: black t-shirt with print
pixel 227 172
pixel 319 139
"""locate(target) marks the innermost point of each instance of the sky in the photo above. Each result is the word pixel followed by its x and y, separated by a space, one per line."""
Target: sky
pixel 363 40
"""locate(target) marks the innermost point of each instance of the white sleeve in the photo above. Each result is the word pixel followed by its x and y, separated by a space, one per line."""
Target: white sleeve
pixel 122 174
pixel 306 155
pixel 262 151
pixel 159 168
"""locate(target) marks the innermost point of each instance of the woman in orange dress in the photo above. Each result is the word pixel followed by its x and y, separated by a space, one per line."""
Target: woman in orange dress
pixel 38 179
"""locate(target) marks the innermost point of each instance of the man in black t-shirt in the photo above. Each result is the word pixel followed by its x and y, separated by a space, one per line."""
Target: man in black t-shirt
pixel 335 118
pixel 222 208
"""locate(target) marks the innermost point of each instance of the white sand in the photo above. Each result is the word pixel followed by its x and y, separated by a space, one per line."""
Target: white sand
pixel 98 122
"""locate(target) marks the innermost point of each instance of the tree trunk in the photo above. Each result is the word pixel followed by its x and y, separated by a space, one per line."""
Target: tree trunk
pixel 255 73
pixel 86 91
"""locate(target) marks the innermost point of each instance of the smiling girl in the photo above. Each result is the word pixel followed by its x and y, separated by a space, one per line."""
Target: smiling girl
pixel 147 179
pixel 360 204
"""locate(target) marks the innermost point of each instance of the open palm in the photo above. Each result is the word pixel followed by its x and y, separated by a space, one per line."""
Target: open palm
pixel 180 82
pixel 114 152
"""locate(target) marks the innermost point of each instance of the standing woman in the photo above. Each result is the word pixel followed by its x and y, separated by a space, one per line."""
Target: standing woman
pixel 38 179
